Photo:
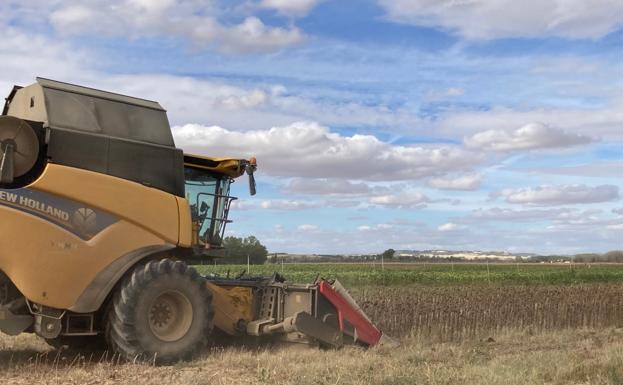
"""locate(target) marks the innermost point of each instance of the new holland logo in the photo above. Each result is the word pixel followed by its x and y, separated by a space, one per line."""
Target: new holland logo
pixel 84 221
pixel 71 215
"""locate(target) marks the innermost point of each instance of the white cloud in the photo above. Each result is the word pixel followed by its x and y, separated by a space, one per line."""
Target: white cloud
pixel 578 217
pixel 327 187
pixel 307 227
pixel 291 7
pixel 52 59
pixel 597 122
pixel 529 137
pixel 252 35
pixel 561 195
pixel 307 149
pixel 401 200
pixel 491 19
pixel 189 99
pixel 455 91
pixel 197 21
pixel 513 215
pixel 451 92
pixel 251 99
pixel 379 227
pixel 448 227
pixel 464 182
pixel 281 204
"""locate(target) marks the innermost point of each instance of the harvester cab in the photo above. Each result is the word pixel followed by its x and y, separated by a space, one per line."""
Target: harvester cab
pixel 207 184
pixel 100 215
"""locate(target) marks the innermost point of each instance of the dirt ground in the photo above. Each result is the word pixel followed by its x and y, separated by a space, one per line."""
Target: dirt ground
pixel 510 357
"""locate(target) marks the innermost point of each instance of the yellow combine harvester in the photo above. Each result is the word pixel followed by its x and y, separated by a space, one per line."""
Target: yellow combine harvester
pixel 100 215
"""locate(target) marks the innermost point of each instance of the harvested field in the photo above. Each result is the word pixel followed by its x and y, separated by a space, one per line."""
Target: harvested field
pixel 506 357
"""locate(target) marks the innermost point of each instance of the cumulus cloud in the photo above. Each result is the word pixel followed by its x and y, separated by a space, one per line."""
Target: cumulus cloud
pixel 448 227
pixel 327 187
pixel 379 227
pixel 53 58
pixel 197 21
pixel 513 215
pixel 307 149
pixel 284 204
pixel 291 7
pixel 188 99
pixel 251 99
pixel 491 19
pixel 558 216
pixel 532 136
pixel 401 200
pixel 561 195
pixel 463 182
pixel 603 121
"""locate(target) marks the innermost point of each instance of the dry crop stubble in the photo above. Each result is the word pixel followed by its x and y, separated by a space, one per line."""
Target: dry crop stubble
pixel 511 357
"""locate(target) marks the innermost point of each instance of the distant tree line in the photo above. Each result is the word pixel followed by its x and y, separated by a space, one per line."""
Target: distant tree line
pixel 237 250
pixel 610 256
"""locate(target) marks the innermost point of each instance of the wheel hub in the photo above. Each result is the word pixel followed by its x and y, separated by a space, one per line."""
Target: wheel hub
pixel 170 316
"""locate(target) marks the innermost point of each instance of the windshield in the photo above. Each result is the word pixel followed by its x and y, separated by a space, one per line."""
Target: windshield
pixel 209 200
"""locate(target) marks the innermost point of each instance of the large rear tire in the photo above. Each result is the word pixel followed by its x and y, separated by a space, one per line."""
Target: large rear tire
pixel 162 313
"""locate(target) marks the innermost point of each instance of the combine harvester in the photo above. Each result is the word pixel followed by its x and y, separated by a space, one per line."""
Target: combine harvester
pixel 100 216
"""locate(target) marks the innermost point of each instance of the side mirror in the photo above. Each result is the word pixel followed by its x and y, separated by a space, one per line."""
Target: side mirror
pixel 250 168
pixel 203 209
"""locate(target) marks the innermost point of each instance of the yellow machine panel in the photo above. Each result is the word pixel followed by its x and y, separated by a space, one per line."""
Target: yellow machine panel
pixel 28 260
pixel 185 223
pixel 232 305
pixel 152 209
pixel 76 223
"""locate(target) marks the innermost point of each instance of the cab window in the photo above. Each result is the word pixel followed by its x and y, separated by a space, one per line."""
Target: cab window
pixel 208 197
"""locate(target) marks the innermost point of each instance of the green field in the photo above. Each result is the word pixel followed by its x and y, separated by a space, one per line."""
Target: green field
pixel 435 274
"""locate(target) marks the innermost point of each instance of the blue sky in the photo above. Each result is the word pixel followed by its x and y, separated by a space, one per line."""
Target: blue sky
pixel 410 124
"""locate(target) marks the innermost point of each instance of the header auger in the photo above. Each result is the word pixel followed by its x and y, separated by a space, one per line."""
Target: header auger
pixel 101 216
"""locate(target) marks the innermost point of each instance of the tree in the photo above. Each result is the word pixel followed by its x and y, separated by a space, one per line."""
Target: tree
pixel 237 250
pixel 389 253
